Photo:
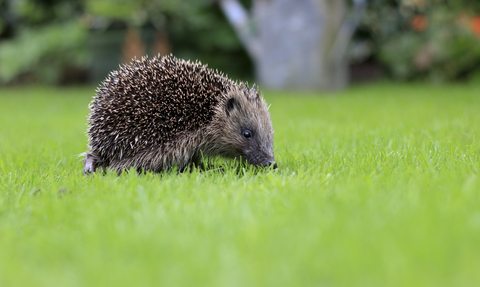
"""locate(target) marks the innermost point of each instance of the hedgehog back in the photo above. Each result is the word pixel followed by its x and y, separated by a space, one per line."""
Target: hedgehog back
pixel 149 103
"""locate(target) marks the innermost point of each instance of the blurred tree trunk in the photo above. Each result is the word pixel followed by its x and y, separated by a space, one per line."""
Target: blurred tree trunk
pixel 296 44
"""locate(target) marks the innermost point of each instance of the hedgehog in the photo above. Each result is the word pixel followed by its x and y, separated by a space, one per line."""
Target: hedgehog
pixel 160 113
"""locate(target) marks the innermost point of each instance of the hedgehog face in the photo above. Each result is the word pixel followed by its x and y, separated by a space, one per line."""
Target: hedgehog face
pixel 247 131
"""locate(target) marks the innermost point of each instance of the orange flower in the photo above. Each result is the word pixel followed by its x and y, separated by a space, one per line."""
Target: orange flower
pixel 419 23
pixel 475 25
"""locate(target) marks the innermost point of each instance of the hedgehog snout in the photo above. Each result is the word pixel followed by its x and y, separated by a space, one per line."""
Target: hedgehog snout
pixel 264 157
pixel 272 162
pixel 263 161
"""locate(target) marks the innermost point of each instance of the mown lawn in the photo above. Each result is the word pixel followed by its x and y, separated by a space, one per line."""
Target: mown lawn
pixel 376 186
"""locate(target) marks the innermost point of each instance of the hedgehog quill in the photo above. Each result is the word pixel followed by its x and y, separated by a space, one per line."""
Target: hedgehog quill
pixel 154 114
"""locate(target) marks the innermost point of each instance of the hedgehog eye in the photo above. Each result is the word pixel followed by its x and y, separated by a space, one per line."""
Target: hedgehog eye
pixel 247 134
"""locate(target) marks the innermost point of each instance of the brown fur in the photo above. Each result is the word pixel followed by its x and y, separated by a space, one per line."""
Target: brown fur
pixel 155 114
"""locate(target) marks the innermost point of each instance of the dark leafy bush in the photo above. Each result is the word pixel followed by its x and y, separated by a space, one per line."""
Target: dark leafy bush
pixel 422 39
pixel 40 40
pixel 43 54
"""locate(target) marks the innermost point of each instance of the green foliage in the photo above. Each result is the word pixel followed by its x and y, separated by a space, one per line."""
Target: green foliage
pixel 426 39
pixel 45 39
pixel 196 29
pixel 43 53
pixel 212 40
pixel 141 12
pixel 375 187
pixel 38 12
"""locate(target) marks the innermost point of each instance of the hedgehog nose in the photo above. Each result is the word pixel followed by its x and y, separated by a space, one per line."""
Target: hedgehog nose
pixel 272 162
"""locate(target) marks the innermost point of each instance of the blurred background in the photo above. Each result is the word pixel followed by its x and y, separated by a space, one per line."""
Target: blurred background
pixel 280 44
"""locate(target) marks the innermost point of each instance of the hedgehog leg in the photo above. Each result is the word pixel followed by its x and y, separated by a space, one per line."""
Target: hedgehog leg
pixel 198 161
pixel 90 164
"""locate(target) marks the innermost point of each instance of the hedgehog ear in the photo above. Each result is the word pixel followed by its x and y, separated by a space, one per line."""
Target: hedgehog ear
pixel 231 104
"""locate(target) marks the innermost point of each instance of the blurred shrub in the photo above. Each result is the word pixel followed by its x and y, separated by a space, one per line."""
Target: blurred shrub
pixel 43 53
pixel 435 40
pixel 212 40
pixel 139 12
pixel 195 29
pixel 46 40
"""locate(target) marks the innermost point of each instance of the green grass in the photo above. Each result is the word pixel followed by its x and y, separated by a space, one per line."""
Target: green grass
pixel 376 186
